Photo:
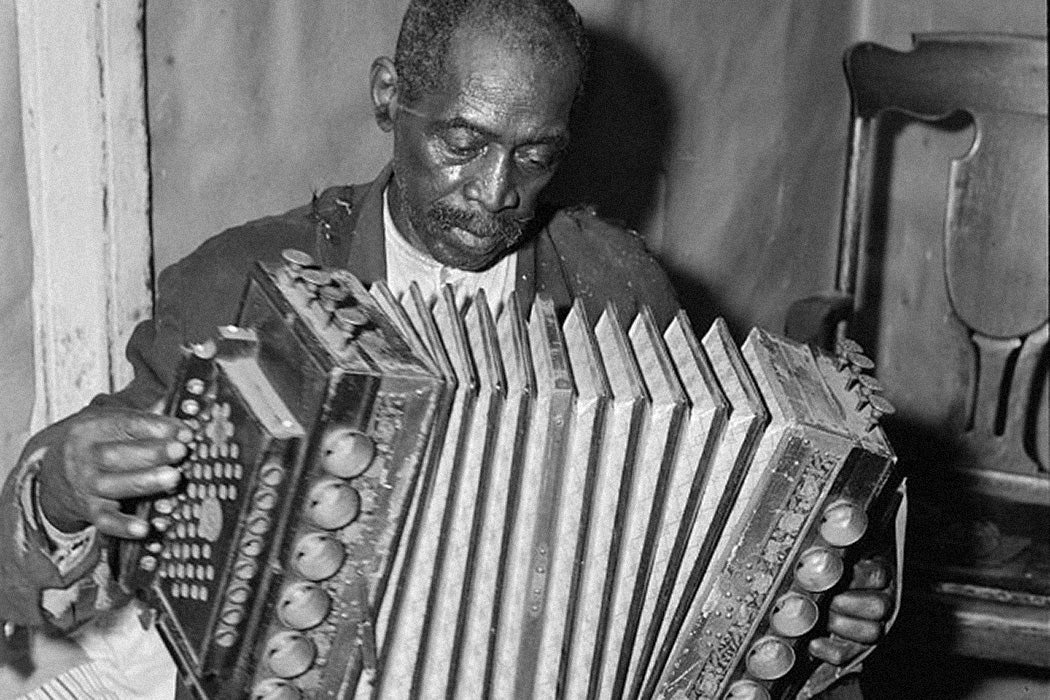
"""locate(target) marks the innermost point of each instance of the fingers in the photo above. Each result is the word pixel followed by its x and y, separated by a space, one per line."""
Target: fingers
pixel 866 605
pixel 835 651
pixel 110 521
pixel 109 455
pixel 117 425
pixel 855 629
pixel 134 455
pixel 136 483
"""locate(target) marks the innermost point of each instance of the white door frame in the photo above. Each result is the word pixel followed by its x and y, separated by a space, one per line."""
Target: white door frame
pixel 82 72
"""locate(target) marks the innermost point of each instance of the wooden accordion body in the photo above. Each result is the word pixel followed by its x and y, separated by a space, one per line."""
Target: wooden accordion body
pixel 386 499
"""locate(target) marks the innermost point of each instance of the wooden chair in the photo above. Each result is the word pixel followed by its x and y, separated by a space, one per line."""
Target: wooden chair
pixel 957 321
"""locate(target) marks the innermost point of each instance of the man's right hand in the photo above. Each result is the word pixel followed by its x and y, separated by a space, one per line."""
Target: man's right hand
pixel 107 455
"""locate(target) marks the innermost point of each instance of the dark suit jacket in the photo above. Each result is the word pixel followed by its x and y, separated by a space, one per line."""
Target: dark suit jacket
pixel 575 254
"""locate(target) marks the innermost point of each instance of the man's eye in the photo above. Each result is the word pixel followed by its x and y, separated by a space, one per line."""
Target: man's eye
pixel 536 159
pixel 462 143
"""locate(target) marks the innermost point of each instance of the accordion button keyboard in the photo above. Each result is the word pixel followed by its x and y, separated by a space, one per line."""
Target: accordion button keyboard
pixel 347 453
pixel 843 523
pixel 289 654
pixel 318 556
pixel 303 606
pixel 818 569
pixel 333 504
pixel 794 615
pixel 770 658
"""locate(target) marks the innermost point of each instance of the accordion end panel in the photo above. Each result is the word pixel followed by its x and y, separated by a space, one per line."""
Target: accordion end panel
pixel 825 464
pixel 311 420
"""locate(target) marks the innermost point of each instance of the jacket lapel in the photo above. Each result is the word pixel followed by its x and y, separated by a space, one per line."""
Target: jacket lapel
pixel 366 253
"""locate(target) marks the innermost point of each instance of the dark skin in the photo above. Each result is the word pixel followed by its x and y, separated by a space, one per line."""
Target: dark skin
pixel 470 160
pixel 483 146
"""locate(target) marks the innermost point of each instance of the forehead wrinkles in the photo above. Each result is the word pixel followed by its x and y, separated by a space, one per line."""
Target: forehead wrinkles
pixel 516 105
pixel 518 88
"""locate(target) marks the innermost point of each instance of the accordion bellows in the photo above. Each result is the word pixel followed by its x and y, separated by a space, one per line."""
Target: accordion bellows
pixel 392 499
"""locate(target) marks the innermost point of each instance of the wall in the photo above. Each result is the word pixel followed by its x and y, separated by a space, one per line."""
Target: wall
pixel 16 253
pixel 254 106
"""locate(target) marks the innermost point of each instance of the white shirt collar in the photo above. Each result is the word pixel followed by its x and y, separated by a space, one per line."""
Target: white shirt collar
pixel 405 264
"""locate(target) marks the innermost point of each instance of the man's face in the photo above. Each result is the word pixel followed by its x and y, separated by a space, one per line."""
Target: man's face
pixel 471 157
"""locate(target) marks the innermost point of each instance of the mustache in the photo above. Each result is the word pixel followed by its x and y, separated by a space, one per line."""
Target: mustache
pixel 503 225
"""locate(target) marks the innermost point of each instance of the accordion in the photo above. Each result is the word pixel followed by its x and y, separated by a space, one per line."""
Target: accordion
pixel 389 498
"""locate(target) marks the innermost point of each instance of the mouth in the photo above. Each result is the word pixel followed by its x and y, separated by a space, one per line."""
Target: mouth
pixel 469 239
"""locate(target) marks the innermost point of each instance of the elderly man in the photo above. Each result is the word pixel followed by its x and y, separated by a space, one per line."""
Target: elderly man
pixel 478 98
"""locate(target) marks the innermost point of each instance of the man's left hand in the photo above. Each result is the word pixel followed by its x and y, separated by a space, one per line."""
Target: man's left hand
pixel 857 617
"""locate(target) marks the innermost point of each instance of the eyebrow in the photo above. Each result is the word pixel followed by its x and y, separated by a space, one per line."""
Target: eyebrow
pixel 458 122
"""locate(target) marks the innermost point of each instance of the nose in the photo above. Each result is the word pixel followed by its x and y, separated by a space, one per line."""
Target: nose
pixel 492 184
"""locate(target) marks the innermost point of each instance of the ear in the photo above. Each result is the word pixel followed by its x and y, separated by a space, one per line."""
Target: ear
pixel 383 81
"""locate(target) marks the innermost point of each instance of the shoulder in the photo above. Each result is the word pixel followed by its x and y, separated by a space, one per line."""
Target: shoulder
pixel 604 259
pixel 203 289
pixel 266 237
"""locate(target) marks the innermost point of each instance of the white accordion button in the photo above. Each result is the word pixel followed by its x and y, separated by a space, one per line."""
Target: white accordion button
pixel 818 569
pixel 770 658
pixel 346 453
pixel 794 615
pixel 303 605
pixel 843 523
pixel 332 504
pixel 747 690
pixel 318 556
pixel 289 654
pixel 273 689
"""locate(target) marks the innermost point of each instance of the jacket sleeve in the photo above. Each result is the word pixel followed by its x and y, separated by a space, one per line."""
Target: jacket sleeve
pixel 40 584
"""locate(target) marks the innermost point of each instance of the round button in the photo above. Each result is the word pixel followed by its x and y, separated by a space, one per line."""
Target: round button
pixel 843 523
pixel 232 616
pixel 275 689
pixel 331 504
pixel 303 605
pixel 860 361
pixel 316 278
pixel 770 658
pixel 289 654
pixel 818 569
pixel 205 350
pixel 794 615
pixel 350 318
pixel 259 525
pixel 244 570
pixel 747 690
pixel 346 452
pixel 272 473
pixel 296 258
pixel 318 556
